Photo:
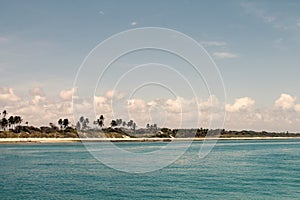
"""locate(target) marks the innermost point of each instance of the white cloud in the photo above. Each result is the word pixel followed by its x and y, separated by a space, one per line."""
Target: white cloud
pixel 285 102
pixel 297 108
pixel 252 8
pixel 137 105
pixel 133 23
pixel 174 113
pixel 37 99
pixel 37 91
pixel 114 94
pixel 224 55
pixel 213 43
pixel 277 20
pixel 7 95
pixel 67 94
pixel 174 105
pixel 241 104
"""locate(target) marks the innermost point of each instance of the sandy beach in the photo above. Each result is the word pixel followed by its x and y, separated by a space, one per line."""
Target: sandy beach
pixel 62 140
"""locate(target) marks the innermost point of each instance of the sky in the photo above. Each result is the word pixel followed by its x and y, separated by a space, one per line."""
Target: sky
pixel 255 46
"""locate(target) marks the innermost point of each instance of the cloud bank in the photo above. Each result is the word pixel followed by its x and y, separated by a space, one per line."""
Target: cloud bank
pixel 242 113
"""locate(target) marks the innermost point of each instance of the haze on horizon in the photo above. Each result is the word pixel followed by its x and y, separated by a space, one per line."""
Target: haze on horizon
pixel 255 45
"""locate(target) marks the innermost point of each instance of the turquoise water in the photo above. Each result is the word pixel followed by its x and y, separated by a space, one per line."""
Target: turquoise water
pixel 233 170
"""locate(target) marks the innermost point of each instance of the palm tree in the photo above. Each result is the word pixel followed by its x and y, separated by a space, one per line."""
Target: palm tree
pixel 78 126
pixel 4 113
pixel 101 117
pixel 84 122
pixel 11 121
pixel 81 119
pixel 134 126
pixel 100 121
pixel 113 123
pixel 119 122
pixel 60 123
pixel 4 123
pixel 18 120
pixel 65 123
pixel 155 126
pixel 130 123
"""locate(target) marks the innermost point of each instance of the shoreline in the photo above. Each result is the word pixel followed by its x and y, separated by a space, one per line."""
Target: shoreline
pixel 70 140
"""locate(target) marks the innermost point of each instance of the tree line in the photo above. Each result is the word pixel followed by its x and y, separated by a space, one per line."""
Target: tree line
pixel 11 122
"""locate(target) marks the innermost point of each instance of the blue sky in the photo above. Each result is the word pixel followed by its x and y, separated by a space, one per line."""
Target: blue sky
pixel 255 44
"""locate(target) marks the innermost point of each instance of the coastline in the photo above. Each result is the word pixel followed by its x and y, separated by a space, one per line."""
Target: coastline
pixel 69 140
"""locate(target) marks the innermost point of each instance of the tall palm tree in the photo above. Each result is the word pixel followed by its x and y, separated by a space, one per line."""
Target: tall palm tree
pixel 11 121
pixel 4 113
pixel 18 120
pixel 4 123
pixel 65 123
pixel 60 123
pixel 113 123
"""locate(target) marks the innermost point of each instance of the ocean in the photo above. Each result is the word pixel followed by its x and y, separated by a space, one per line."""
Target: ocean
pixel 256 169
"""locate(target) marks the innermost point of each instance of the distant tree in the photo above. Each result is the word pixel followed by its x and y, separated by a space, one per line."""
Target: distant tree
pixel 18 120
pixel 101 117
pixel 52 126
pixel 113 123
pixel 11 121
pixel 85 123
pixel 124 123
pixel 4 123
pixel 119 122
pixel 148 126
pixel 134 126
pixel 82 124
pixel 81 119
pixel 95 122
pixel 165 130
pixel 65 123
pixel 78 125
pixel 100 121
pixel 26 123
pixel 4 113
pixel 60 123
pixel 130 123
pixel 155 126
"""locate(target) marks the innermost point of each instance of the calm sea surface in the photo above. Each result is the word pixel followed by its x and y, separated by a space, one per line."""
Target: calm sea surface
pixel 267 169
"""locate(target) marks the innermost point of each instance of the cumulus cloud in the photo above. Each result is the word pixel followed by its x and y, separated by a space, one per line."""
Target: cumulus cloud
pixel 177 112
pixel 297 108
pixel 67 94
pixel 241 104
pixel 133 23
pixel 7 95
pixel 37 91
pixel 37 99
pixel 114 94
pixel 285 102
pixel 224 55
pixel 174 105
